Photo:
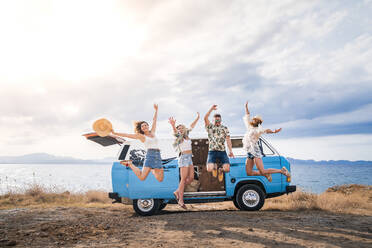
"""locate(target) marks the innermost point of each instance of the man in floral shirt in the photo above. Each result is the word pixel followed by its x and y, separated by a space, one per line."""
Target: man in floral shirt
pixel 217 134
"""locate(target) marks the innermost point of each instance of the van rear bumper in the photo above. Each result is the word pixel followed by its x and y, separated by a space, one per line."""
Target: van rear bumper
pixel 114 196
pixel 117 199
pixel 290 188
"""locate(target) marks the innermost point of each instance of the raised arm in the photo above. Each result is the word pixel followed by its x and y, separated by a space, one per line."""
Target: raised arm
pixel 206 121
pixel 246 117
pixel 271 131
pixel 172 121
pixel 153 128
pixel 127 135
pixel 195 121
pixel 246 108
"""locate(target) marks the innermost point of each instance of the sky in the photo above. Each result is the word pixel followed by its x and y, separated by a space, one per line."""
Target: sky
pixel 304 66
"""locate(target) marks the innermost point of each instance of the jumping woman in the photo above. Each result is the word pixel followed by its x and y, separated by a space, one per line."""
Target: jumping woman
pixel 147 137
pixel 183 146
pixel 254 154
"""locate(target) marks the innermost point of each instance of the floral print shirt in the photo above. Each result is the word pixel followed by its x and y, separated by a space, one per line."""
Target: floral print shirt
pixel 217 136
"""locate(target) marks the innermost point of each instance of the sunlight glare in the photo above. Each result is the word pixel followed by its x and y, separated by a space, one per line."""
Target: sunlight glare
pixel 72 40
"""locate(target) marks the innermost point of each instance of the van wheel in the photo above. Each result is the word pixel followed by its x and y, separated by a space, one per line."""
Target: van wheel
pixel 162 205
pixel 250 197
pixel 146 207
pixel 236 203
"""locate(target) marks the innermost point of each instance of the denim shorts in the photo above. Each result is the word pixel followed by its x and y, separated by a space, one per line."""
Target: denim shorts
pixel 185 160
pixel 218 156
pixel 153 159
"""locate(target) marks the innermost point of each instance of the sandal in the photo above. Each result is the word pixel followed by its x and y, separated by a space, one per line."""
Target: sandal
pixel 220 175
pixel 214 172
pixel 286 172
pixel 182 206
pixel 126 162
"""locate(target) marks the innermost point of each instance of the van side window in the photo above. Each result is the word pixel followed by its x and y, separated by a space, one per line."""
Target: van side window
pixel 136 153
pixel 137 156
pixel 265 148
pixel 237 145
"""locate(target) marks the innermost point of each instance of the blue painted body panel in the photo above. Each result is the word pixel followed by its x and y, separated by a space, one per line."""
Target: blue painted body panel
pixel 126 183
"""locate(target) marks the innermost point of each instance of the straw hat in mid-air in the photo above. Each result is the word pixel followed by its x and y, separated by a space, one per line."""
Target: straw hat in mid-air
pixel 102 127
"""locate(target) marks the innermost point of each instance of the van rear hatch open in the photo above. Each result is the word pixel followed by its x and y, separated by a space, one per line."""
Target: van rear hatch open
pixel 104 141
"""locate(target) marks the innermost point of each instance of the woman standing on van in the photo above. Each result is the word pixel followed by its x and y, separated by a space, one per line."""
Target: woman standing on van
pixel 183 146
pixel 250 144
pixel 147 137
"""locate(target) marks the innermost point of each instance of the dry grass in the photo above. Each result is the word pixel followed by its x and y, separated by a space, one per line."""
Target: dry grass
pixel 38 196
pixel 352 199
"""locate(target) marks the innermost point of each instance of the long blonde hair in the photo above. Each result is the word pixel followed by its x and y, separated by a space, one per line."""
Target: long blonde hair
pixel 185 133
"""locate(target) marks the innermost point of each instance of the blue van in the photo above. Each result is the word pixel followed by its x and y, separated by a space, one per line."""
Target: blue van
pixel 150 196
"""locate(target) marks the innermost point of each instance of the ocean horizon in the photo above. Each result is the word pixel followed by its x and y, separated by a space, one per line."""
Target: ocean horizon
pixel 81 178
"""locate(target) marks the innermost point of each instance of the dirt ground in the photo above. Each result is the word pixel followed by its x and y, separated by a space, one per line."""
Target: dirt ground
pixel 207 225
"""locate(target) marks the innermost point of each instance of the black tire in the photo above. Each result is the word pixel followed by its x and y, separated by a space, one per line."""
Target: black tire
pixel 146 207
pixel 236 203
pixel 250 197
pixel 162 205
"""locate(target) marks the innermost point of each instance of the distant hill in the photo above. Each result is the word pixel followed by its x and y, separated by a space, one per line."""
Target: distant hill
pixel 329 162
pixel 44 158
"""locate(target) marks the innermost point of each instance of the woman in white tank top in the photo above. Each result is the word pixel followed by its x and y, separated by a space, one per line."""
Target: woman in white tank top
pixel 153 159
pixel 183 146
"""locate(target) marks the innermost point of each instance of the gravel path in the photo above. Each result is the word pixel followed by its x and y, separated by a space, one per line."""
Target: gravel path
pixel 198 227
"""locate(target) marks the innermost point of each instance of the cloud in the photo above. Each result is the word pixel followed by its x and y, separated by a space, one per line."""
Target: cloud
pixel 303 65
pixel 335 147
pixel 353 122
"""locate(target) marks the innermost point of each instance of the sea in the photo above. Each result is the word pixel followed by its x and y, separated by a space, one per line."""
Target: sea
pixel 80 178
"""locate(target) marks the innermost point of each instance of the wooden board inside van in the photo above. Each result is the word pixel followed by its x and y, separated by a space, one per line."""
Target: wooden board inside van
pixel 206 179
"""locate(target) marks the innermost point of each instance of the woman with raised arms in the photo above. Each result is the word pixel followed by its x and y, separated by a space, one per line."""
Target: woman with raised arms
pixel 152 161
pixel 250 144
pixel 183 147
